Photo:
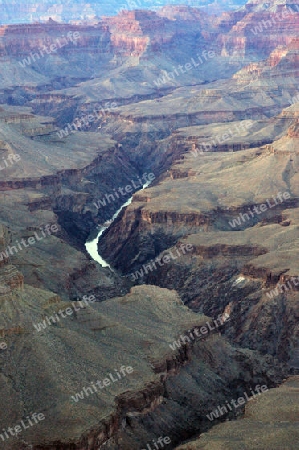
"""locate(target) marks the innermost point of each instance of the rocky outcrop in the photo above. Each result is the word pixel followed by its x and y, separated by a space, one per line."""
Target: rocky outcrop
pixel 121 415
pixel 11 278
pixel 24 39
pixel 260 414
pixel 273 27
pixel 293 131
pixel 247 267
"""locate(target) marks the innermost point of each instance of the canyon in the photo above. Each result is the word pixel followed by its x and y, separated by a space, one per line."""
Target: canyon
pixel 220 139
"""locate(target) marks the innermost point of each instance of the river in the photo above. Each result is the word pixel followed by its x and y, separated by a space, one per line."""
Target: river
pixel 91 244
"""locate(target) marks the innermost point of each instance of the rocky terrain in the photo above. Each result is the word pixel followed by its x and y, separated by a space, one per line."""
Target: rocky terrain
pixel 210 106
pixel 274 416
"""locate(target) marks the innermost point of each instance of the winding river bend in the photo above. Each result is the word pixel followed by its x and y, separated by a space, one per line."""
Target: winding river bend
pixel 91 244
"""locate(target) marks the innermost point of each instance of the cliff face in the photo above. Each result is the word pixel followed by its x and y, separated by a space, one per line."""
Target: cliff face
pixel 239 272
pixel 121 415
pixel 257 415
pixel 132 33
pixel 273 26
pixel 19 40
pixel 235 37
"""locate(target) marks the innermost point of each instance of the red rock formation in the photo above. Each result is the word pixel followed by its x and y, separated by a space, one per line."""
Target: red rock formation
pixel 261 30
pixel 21 40
pixel 293 131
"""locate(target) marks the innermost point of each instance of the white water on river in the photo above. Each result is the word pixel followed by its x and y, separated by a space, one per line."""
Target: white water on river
pixel 91 244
